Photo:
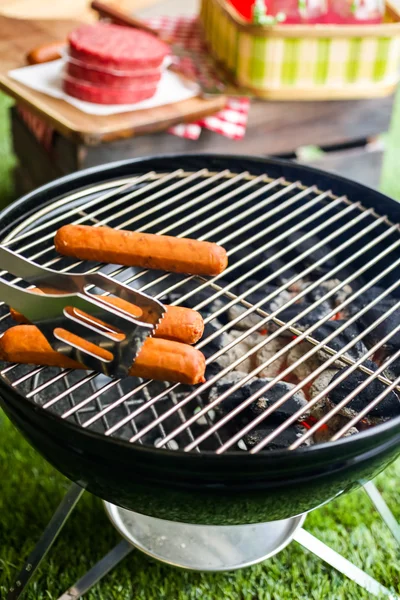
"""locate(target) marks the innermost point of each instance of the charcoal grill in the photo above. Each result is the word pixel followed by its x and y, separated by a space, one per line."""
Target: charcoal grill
pixel 168 451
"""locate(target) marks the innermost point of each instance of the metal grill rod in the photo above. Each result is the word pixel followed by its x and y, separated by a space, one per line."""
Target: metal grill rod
pixel 285 286
pixel 180 209
pixel 320 345
pixel 311 376
pixel 266 215
pixel 298 196
pixel 281 288
pixel 67 199
pixel 27 376
pixel 76 196
pixel 352 394
pixel 146 200
pixel 301 224
pixel 234 235
pixel 255 253
pixel 207 221
pixel 344 375
pixel 134 194
pixel 211 381
pixel 332 219
pixel 204 209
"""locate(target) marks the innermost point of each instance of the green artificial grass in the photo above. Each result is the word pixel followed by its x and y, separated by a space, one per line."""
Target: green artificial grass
pixel 31 489
pixel 7 160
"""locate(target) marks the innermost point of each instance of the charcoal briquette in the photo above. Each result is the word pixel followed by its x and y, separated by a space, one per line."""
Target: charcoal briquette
pixel 385 327
pixel 270 397
pixel 393 370
pixel 266 400
pixel 315 255
pixel 313 315
pixel 325 287
pixel 388 408
pixel 343 338
pixel 282 441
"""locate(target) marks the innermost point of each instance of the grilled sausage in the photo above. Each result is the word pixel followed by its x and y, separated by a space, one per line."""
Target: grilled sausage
pixel 159 359
pixel 135 249
pixel 45 53
pixel 178 324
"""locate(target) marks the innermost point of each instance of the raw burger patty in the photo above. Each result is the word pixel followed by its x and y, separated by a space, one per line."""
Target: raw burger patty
pixel 98 77
pixel 106 95
pixel 113 46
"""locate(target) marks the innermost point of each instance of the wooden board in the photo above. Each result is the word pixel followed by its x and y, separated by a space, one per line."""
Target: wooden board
pixel 73 9
pixel 18 36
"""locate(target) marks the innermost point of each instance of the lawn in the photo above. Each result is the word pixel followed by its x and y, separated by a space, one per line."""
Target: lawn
pixel 31 489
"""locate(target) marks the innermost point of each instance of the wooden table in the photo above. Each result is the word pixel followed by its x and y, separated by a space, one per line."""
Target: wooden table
pixel 273 127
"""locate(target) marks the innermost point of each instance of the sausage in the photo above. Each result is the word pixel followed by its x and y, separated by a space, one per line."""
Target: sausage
pixel 159 359
pixel 135 249
pixel 178 324
pixel 45 53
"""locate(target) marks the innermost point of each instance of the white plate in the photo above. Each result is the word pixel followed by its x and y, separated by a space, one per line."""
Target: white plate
pixel 47 78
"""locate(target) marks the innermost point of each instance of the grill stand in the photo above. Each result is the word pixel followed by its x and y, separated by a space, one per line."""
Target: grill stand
pixel 221 548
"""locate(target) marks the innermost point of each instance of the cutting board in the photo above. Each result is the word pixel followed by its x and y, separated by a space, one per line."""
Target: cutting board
pixel 19 36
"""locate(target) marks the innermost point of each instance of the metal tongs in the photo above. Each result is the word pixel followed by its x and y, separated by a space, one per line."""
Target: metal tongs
pixel 119 335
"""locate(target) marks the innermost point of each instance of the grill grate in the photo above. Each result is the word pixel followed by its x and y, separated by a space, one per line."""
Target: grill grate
pixel 278 233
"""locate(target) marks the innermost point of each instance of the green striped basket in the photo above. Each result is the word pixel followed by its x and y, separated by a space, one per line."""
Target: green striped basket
pixel 304 62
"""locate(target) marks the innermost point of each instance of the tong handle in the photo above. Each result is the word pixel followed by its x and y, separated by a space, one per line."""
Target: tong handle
pixel 71 283
pixel 33 273
pixel 21 267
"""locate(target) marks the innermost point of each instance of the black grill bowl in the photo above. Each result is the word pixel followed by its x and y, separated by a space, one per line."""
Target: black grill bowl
pixel 204 488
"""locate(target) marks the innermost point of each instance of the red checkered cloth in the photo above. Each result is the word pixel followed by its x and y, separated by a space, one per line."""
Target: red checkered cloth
pixel 232 120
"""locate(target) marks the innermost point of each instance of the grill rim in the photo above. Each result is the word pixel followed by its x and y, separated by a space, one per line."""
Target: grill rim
pixel 165 163
pixel 300 462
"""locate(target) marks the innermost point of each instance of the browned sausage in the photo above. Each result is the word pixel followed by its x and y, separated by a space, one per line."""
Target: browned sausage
pixel 45 53
pixel 159 359
pixel 135 249
pixel 178 324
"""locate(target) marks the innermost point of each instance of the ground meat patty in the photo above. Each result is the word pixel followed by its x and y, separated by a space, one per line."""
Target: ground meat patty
pixel 113 46
pixel 112 79
pixel 106 95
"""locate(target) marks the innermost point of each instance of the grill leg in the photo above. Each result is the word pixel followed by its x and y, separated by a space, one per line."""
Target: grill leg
pixel 341 564
pixel 383 509
pixel 46 541
pixel 99 570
